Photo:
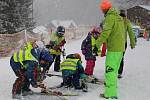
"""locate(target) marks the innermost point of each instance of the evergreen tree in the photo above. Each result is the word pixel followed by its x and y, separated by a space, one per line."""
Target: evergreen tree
pixel 16 15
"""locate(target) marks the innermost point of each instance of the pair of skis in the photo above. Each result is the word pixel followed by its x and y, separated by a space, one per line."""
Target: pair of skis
pixel 60 95
pixel 93 80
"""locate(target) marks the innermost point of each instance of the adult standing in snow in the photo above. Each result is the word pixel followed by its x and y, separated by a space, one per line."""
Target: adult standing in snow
pixel 57 41
pixel 25 64
pixel 148 30
pixel 113 34
pixel 129 31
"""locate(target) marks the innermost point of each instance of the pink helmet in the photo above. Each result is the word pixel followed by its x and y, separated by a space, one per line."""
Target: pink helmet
pixel 95 29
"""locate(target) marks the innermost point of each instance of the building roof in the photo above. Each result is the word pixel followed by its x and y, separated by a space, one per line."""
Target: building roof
pixel 40 30
pixel 65 23
pixel 145 7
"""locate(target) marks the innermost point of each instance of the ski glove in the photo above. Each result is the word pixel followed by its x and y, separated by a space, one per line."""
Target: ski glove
pixel 99 52
pixel 132 46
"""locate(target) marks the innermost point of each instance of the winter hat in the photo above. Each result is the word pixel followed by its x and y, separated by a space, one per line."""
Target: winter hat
pixel 105 5
pixel 40 44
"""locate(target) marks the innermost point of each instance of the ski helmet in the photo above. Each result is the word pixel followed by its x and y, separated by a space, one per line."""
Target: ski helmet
pixel 74 56
pixel 95 32
pixel 105 5
pixel 95 29
pixel 77 56
pixel 60 31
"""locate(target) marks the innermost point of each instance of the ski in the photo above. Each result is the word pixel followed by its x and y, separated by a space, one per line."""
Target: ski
pixel 99 82
pixel 56 87
pixel 95 80
pixel 61 97
pixel 56 93
pixel 50 75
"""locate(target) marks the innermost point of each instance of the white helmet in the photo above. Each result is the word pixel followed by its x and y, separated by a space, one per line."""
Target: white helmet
pixel 40 44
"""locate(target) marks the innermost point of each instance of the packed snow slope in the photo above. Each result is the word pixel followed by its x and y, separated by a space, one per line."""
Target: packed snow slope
pixel 135 84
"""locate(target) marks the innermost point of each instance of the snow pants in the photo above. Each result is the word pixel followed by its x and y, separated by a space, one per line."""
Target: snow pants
pixel 73 77
pixel 112 64
pixel 72 80
pixel 90 64
pixel 56 60
pixel 21 83
pixel 120 71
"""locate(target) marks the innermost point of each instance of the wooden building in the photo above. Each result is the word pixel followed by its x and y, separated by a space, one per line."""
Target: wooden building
pixel 139 14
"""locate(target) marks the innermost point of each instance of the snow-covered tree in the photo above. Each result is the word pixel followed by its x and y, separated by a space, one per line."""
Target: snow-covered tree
pixel 16 15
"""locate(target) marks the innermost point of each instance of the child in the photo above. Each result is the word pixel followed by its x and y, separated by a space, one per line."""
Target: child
pixel 89 50
pixel 73 72
pixel 57 41
pixel 25 64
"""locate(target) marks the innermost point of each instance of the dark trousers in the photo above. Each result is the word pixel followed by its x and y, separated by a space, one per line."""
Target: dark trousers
pixel 120 71
pixel 56 60
pixel 21 83
pixel 72 80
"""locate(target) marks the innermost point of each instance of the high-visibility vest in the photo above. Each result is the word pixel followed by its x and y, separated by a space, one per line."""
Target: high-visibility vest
pixel 52 51
pixel 69 64
pixel 23 55
pixel 28 46
pixel 93 42
pixel 57 40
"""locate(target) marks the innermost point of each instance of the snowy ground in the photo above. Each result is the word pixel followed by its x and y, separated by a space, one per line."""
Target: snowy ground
pixel 133 86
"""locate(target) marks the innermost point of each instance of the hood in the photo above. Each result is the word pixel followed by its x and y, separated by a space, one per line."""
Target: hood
pixel 112 11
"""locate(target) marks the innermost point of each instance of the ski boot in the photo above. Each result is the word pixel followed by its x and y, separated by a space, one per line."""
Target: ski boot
pixel 113 97
pixel 84 85
pixel 27 92
pixel 17 96
pixel 119 76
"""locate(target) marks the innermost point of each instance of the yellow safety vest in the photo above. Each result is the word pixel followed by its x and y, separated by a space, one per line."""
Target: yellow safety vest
pixel 24 54
pixel 58 40
pixel 93 42
pixel 52 51
pixel 69 64
pixel 28 46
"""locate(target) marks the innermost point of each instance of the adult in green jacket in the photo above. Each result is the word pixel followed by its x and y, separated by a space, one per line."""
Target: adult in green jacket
pixel 113 34
pixel 129 31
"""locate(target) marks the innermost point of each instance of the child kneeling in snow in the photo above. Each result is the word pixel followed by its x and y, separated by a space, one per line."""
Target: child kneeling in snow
pixel 73 72
pixel 26 64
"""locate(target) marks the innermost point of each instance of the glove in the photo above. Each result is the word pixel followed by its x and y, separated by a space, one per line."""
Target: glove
pixel 62 43
pixel 83 52
pixel 95 51
pixel 56 48
pixel 99 52
pixel 95 54
pixel 132 46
